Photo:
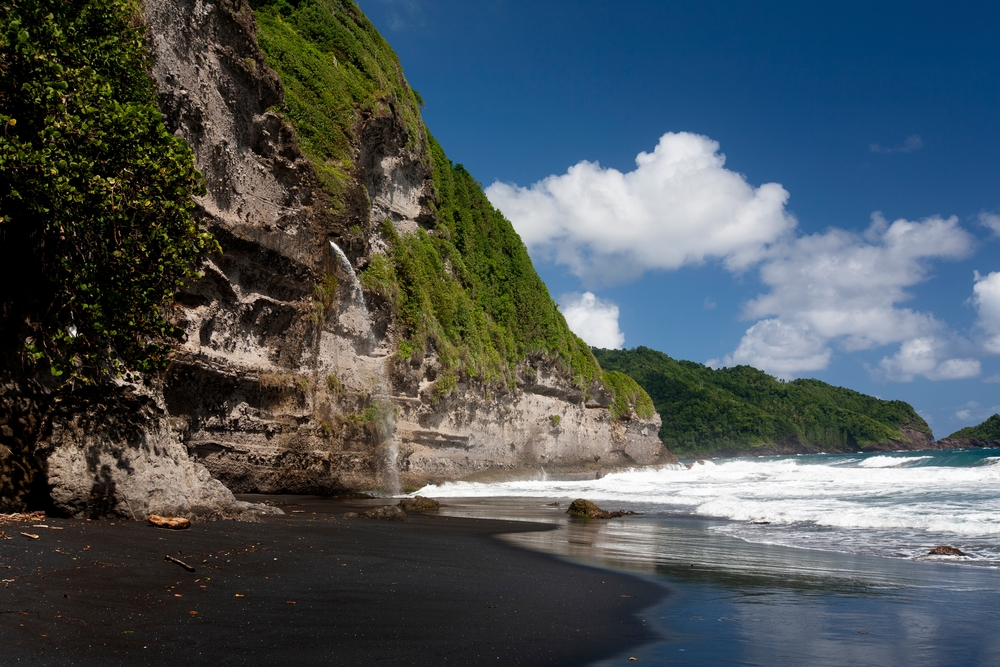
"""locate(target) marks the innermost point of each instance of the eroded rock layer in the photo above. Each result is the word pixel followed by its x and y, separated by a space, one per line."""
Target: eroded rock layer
pixel 274 389
pixel 287 377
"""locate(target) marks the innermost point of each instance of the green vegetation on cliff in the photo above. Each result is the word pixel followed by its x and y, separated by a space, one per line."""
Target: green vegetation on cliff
pixel 988 430
pixel 96 232
pixel 335 67
pixel 742 408
pixel 628 394
pixel 465 287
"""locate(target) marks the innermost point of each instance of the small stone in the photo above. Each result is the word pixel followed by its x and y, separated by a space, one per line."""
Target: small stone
pixel 589 510
pixel 173 522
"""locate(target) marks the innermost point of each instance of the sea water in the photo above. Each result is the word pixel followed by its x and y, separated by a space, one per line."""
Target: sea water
pixel 897 505
pixel 800 560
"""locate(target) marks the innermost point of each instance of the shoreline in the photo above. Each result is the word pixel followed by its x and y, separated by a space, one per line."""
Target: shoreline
pixel 737 603
pixel 309 588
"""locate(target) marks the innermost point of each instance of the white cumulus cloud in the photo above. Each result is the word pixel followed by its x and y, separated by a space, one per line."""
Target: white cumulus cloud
pixel 835 290
pixel 986 297
pixel 592 319
pixel 844 289
pixel 922 356
pixel 680 205
pixel 782 349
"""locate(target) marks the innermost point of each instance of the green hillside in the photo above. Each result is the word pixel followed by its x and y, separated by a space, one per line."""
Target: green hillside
pixel 741 408
pixel 465 287
pixel 988 430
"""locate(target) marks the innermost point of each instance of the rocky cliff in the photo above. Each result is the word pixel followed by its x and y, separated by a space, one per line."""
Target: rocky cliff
pixel 295 375
pixel 275 389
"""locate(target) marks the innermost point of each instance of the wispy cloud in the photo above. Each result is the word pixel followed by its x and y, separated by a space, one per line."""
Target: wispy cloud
pixel 844 289
pixel 990 220
pixel 403 14
pixel 912 143
pixel 986 298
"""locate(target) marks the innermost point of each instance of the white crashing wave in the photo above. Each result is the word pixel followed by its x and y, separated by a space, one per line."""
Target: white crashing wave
pixel 890 461
pixel 888 494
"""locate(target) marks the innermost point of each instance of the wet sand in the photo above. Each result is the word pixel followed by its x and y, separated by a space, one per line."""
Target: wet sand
pixel 307 588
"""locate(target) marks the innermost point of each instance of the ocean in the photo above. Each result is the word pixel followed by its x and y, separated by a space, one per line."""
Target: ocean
pixel 792 560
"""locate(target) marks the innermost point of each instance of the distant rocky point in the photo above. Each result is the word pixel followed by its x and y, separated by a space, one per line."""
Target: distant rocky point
pixel 985 435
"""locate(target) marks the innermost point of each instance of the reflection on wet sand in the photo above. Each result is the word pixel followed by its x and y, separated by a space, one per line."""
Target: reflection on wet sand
pixel 739 603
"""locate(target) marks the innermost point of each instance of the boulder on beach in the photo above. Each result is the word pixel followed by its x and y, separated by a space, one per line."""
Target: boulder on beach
pixel 589 510
pixel 419 504
pixel 385 513
pixel 945 551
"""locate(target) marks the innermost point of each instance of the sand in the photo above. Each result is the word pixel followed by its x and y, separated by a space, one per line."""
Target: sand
pixel 307 588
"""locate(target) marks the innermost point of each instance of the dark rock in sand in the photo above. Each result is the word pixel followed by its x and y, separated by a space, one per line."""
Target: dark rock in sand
pixel 589 510
pixel 419 504
pixel 945 551
pixel 386 513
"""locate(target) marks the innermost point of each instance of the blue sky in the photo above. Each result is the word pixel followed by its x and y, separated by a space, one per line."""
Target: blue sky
pixel 819 182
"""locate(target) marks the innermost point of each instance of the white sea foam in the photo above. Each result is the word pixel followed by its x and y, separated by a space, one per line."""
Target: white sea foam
pixel 891 499
pixel 890 461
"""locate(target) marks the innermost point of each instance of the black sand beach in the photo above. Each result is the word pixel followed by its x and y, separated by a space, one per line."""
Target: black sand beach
pixel 307 588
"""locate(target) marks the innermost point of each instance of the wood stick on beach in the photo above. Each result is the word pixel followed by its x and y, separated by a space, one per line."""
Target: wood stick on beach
pixel 179 562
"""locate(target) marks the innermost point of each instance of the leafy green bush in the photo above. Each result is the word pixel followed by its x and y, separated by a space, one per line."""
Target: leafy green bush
pixel 628 396
pixel 96 231
pixel 737 409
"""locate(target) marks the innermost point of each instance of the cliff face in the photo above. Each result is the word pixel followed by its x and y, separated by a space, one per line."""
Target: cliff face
pixel 447 359
pixel 291 376
pixel 282 386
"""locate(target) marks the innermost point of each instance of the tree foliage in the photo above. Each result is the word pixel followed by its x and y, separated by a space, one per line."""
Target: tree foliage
pixel 96 226
pixel 988 430
pixel 736 409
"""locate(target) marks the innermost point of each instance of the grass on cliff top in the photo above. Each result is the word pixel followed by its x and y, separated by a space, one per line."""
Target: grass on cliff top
pixel 465 288
pixel 334 66
pixel 988 430
pixel 739 408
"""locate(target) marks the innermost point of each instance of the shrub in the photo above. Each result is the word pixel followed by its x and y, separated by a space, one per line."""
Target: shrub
pixel 628 396
pixel 96 226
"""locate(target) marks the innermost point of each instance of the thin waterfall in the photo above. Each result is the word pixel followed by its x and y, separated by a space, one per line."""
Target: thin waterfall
pixel 354 316
pixel 360 318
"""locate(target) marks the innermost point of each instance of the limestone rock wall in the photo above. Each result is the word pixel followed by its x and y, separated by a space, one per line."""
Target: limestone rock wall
pixel 271 392
pixel 276 385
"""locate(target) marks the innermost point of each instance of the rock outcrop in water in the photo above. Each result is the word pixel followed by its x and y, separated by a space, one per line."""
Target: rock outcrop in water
pixel 981 436
pixel 288 377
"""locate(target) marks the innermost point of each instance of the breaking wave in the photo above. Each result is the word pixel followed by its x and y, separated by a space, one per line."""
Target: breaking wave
pixel 896 504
